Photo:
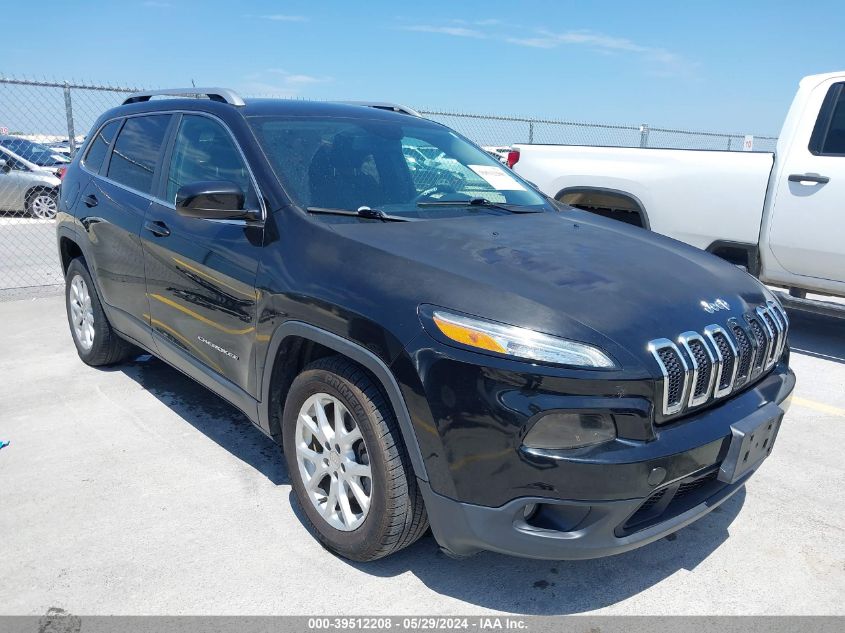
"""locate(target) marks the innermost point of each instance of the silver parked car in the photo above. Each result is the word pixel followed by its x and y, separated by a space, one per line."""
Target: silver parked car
pixel 29 177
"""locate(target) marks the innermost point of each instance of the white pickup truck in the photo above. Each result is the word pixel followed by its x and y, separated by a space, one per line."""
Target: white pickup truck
pixel 781 215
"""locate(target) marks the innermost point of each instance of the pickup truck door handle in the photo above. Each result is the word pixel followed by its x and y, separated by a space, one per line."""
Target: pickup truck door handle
pixel 157 228
pixel 90 200
pixel 821 180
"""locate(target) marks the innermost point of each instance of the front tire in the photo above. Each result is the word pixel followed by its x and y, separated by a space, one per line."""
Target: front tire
pixel 96 341
pixel 348 466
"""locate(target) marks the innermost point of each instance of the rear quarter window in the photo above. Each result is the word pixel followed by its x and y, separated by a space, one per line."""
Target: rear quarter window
pixel 136 151
pixel 100 146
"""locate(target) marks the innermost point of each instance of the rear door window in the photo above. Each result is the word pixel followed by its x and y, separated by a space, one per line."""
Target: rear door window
pixel 136 151
pixel 828 137
pixel 834 141
pixel 100 146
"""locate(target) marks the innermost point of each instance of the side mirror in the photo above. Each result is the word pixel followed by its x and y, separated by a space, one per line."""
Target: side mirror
pixel 4 166
pixel 213 200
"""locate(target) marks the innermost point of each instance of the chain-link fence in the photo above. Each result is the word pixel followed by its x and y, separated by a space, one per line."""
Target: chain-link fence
pixel 503 131
pixel 43 123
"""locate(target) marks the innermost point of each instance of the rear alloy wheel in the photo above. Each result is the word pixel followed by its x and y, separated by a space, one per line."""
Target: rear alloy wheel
pixel 96 342
pixel 81 312
pixel 42 205
pixel 348 465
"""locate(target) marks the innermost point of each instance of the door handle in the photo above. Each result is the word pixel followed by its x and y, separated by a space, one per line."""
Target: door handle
pixel 821 180
pixel 90 200
pixel 157 228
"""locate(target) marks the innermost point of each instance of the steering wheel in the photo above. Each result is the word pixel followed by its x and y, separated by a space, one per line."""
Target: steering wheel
pixel 441 187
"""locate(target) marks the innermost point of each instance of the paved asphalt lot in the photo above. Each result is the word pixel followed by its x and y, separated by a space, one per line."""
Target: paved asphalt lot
pixel 28 252
pixel 134 491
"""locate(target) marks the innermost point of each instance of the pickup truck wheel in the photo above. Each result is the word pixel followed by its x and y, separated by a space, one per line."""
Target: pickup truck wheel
pixel 96 342
pixel 349 469
pixel 42 204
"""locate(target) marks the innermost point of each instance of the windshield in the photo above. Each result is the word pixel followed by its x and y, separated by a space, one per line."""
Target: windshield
pixel 33 152
pixel 411 168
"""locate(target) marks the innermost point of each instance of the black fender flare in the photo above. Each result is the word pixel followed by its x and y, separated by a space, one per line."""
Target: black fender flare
pixel 66 231
pixel 70 232
pixel 752 252
pixel 360 355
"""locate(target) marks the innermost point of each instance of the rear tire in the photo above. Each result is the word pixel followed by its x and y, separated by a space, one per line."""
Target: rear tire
pixel 96 341
pixel 394 516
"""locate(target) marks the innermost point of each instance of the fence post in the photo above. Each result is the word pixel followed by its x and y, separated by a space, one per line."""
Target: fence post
pixel 71 135
pixel 530 132
pixel 644 135
pixel 730 140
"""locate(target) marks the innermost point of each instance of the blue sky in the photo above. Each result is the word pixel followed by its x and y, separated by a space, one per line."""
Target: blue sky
pixel 715 65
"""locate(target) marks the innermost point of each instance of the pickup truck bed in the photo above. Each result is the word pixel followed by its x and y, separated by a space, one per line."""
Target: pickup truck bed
pixel 664 188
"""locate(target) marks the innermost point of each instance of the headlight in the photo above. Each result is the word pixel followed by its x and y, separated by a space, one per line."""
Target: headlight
pixel 519 342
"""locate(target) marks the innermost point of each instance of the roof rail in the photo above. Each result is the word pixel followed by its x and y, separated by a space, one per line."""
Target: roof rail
pixel 383 105
pixel 221 95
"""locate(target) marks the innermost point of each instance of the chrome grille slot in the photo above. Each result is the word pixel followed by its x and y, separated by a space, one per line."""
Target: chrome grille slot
pixel 780 309
pixel 771 336
pixel 675 378
pixel 774 326
pixel 701 360
pixel 705 369
pixel 727 360
pixel 726 354
pixel 746 354
pixel 762 344
pixel 676 374
pixel 780 322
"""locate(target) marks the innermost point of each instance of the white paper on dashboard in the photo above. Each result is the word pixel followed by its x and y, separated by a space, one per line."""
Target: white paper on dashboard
pixel 497 178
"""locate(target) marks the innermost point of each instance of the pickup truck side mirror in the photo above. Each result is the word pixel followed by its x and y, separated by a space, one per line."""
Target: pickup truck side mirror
pixel 213 200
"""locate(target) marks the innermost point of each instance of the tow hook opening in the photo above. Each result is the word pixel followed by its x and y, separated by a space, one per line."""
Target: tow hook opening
pixel 556 517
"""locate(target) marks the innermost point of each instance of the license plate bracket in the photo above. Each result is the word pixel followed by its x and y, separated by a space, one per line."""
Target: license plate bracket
pixel 751 442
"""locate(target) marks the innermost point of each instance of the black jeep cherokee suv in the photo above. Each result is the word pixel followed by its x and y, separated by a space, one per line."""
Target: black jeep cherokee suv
pixel 430 339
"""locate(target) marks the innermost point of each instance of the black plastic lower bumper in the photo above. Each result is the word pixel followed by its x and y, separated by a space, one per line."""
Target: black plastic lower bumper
pixel 471 529
pixel 541 527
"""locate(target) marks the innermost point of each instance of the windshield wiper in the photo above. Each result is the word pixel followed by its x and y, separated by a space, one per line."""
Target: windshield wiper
pixel 361 212
pixel 478 202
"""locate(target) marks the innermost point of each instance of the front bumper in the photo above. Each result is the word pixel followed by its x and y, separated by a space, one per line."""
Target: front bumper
pixel 596 526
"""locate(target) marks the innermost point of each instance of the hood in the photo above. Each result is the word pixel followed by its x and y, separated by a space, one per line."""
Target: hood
pixel 570 274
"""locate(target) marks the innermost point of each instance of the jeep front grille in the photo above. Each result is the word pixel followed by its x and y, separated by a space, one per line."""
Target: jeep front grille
pixel 700 368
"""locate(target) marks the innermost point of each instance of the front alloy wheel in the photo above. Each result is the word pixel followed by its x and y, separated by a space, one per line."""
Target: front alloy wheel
pixel 348 465
pixel 333 462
